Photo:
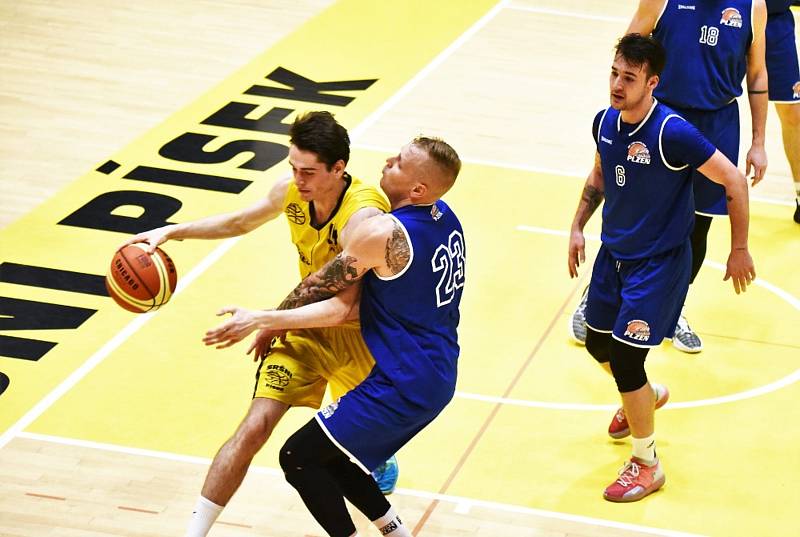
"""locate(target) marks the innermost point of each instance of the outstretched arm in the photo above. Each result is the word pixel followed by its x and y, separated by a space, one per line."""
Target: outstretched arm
pixel 221 226
pixel 369 247
pixel 591 198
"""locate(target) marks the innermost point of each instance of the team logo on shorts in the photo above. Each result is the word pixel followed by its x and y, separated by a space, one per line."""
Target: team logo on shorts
pixel 731 17
pixel 638 153
pixel 295 214
pixel 638 330
pixel 277 377
pixel 328 411
pixel 796 90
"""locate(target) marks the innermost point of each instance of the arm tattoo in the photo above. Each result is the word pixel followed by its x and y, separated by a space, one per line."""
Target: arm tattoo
pixel 336 275
pixel 592 196
pixel 398 252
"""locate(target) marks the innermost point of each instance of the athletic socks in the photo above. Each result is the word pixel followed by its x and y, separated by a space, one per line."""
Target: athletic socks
pixel 203 517
pixel 644 449
pixel 390 525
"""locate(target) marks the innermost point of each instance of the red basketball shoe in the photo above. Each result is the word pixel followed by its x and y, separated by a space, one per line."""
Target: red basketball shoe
pixel 636 480
pixel 619 424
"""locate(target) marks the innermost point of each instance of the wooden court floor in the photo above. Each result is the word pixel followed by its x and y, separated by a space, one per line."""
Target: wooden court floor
pixel 110 431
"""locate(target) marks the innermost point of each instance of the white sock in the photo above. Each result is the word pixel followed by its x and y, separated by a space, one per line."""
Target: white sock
pixel 390 525
pixel 644 449
pixel 203 517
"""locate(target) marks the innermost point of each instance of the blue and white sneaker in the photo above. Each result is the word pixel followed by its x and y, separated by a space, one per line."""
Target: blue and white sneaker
pixel 386 475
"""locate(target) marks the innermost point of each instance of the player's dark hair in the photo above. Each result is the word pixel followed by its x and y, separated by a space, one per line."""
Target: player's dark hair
pixel 639 50
pixel 321 134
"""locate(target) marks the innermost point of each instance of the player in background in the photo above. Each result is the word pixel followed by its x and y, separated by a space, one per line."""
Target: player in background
pixel 784 83
pixel 645 160
pixel 712 45
pixel 412 265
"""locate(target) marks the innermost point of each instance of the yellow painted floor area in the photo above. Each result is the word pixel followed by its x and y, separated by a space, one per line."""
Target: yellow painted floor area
pixel 527 427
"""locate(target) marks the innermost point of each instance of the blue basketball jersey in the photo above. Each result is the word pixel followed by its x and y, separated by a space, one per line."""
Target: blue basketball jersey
pixel 409 320
pixel 706 43
pixel 649 207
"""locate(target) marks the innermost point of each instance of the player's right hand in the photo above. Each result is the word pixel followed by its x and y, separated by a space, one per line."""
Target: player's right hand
pixel 577 253
pixel 152 238
pixel 262 343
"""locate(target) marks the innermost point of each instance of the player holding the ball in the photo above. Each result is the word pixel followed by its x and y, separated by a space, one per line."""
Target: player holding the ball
pixel 323 204
pixel 411 265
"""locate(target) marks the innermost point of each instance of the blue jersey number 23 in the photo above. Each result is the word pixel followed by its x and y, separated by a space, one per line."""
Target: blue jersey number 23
pixel 449 260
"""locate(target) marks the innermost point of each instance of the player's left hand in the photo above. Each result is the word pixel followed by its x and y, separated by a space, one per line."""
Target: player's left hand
pixel 235 329
pixel 757 159
pixel 740 269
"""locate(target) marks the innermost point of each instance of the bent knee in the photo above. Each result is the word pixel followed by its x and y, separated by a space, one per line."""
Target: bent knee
pixel 598 345
pixel 627 366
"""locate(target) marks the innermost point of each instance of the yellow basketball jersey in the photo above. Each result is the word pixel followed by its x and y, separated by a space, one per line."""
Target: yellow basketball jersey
pixel 318 242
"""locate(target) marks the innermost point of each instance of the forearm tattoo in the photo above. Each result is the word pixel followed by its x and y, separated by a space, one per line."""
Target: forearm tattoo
pixel 592 196
pixel 397 250
pixel 338 274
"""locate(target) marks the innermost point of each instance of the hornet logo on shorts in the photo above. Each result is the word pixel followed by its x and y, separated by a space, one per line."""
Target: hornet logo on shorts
pixel 277 377
pixel 295 214
pixel 796 90
pixel 638 330
pixel 731 17
pixel 638 153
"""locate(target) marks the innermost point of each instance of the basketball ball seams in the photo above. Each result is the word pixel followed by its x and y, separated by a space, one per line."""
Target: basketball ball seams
pixel 138 276
pixel 164 290
pixel 139 281
pixel 133 301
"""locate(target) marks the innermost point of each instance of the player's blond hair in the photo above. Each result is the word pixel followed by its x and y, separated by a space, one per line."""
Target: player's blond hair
pixel 443 156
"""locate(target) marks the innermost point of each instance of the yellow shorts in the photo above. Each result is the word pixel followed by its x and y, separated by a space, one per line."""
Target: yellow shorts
pixel 296 371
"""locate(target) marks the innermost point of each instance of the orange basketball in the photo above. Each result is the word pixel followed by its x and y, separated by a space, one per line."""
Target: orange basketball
pixel 140 282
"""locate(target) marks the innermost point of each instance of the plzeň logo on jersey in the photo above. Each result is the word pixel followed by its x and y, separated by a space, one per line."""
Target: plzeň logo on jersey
pixel 638 153
pixel 731 17
pixel 637 330
pixel 295 214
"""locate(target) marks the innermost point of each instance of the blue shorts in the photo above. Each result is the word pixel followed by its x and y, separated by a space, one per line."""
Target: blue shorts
pixel 374 420
pixel 639 301
pixel 782 63
pixel 721 127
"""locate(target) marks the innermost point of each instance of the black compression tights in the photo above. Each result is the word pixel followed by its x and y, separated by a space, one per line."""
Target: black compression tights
pixel 324 476
pixel 699 240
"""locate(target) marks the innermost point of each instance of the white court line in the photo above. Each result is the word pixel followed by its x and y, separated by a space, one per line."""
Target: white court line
pixel 434 63
pixel 540 169
pixel 214 256
pixel 109 347
pixel 747 394
pixel 559 13
pixel 463 505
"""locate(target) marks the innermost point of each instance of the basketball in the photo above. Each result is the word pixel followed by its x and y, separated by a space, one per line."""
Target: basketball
pixel 141 282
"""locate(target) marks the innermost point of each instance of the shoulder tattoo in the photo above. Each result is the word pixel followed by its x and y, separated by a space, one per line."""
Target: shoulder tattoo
pixel 398 251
